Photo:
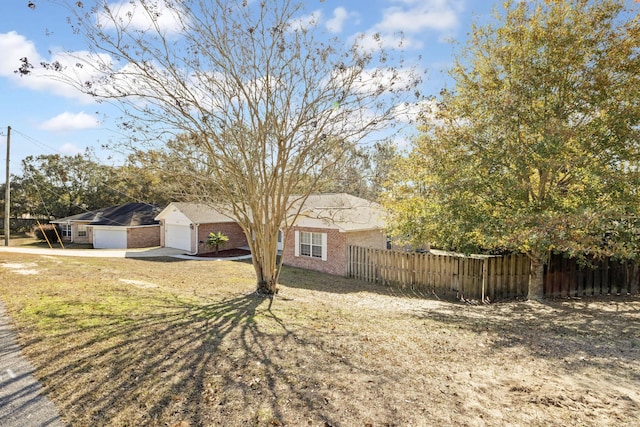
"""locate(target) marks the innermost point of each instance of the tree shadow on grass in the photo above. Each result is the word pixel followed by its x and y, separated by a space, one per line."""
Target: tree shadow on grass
pixel 582 333
pixel 322 282
pixel 183 359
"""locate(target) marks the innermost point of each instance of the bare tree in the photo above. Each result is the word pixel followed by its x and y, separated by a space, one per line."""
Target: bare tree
pixel 249 96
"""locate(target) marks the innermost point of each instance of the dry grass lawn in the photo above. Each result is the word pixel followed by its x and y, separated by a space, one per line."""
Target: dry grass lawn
pixel 162 342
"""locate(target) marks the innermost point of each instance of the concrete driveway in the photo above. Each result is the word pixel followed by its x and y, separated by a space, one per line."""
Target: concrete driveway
pixel 98 253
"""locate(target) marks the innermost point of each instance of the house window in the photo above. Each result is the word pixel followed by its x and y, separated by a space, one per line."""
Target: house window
pixel 311 244
pixel 82 230
pixel 66 230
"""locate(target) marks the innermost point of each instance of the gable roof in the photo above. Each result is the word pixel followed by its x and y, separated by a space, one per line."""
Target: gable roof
pixel 126 215
pixel 197 213
pixel 342 211
pixel 335 210
pixel 81 217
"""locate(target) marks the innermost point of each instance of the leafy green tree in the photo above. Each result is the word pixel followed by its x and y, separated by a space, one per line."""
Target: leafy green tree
pixel 243 98
pixel 17 200
pixel 58 186
pixel 382 159
pixel 359 170
pixel 140 180
pixel 536 148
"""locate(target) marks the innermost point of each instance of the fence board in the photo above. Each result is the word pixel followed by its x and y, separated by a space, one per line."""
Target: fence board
pixel 495 277
pixel 472 277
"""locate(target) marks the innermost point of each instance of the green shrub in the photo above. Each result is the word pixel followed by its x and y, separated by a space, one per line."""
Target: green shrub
pixel 49 230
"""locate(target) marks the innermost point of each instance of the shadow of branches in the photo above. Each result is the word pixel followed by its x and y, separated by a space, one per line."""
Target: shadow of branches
pixel 582 333
pixel 190 361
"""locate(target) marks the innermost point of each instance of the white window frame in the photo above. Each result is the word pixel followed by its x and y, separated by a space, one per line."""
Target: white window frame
pixel 82 230
pixel 319 242
pixel 66 230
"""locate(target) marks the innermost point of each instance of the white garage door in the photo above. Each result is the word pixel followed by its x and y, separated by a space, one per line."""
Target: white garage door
pixel 109 239
pixel 177 236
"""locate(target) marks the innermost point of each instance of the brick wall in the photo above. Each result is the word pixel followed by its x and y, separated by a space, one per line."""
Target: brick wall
pixel 143 237
pixel 336 253
pixel 237 238
pixel 337 243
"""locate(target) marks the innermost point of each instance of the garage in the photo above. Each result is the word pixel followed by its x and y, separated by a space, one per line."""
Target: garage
pixel 177 236
pixel 109 238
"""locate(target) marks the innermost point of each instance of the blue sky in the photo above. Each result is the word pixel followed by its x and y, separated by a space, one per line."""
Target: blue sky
pixel 49 117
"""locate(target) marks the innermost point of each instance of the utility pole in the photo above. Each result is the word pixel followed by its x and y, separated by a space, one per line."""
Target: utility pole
pixel 7 191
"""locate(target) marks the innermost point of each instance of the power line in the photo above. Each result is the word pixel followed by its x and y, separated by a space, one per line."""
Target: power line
pixel 37 142
pixel 58 195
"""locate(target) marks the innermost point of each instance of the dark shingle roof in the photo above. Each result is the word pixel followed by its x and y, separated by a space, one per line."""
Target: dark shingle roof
pixel 127 215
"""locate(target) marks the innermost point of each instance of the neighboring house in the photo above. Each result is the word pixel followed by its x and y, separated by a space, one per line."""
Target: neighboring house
pixel 327 225
pixel 187 226
pixel 317 240
pixel 74 228
pixel 131 225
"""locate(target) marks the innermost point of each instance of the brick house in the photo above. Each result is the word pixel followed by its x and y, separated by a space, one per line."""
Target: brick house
pixel 316 240
pixel 131 225
pixel 326 226
pixel 187 226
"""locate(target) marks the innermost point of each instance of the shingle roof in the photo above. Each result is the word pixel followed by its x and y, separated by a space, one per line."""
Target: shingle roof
pixel 344 211
pixel 85 216
pixel 201 213
pixel 335 210
pixel 126 215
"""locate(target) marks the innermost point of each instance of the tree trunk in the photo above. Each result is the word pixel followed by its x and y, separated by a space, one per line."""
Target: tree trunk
pixel 267 283
pixel 263 255
pixel 267 287
pixel 536 278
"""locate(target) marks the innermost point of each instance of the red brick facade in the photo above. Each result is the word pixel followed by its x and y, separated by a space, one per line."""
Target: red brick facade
pixel 143 237
pixel 337 242
pixel 232 230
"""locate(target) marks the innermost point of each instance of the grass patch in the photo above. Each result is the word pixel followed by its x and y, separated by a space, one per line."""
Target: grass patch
pixel 124 342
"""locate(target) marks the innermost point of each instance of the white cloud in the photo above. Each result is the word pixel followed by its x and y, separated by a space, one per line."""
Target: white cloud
pixel 70 149
pixel 76 67
pixel 372 80
pixel 340 16
pixel 306 21
pixel 412 112
pixel 141 16
pixel 13 47
pixel 373 41
pixel 70 122
pixel 416 16
pixel 405 23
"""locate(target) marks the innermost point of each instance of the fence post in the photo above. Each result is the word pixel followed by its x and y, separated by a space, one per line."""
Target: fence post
pixel 485 276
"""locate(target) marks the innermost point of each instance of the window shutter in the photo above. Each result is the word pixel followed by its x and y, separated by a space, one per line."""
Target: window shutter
pixel 324 246
pixel 296 243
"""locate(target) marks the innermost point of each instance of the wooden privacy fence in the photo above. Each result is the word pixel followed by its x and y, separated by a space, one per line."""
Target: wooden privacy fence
pixel 495 277
pixel 564 277
pixel 473 277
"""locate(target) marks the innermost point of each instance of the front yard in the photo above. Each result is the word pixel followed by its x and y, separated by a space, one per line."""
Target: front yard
pixel 163 342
